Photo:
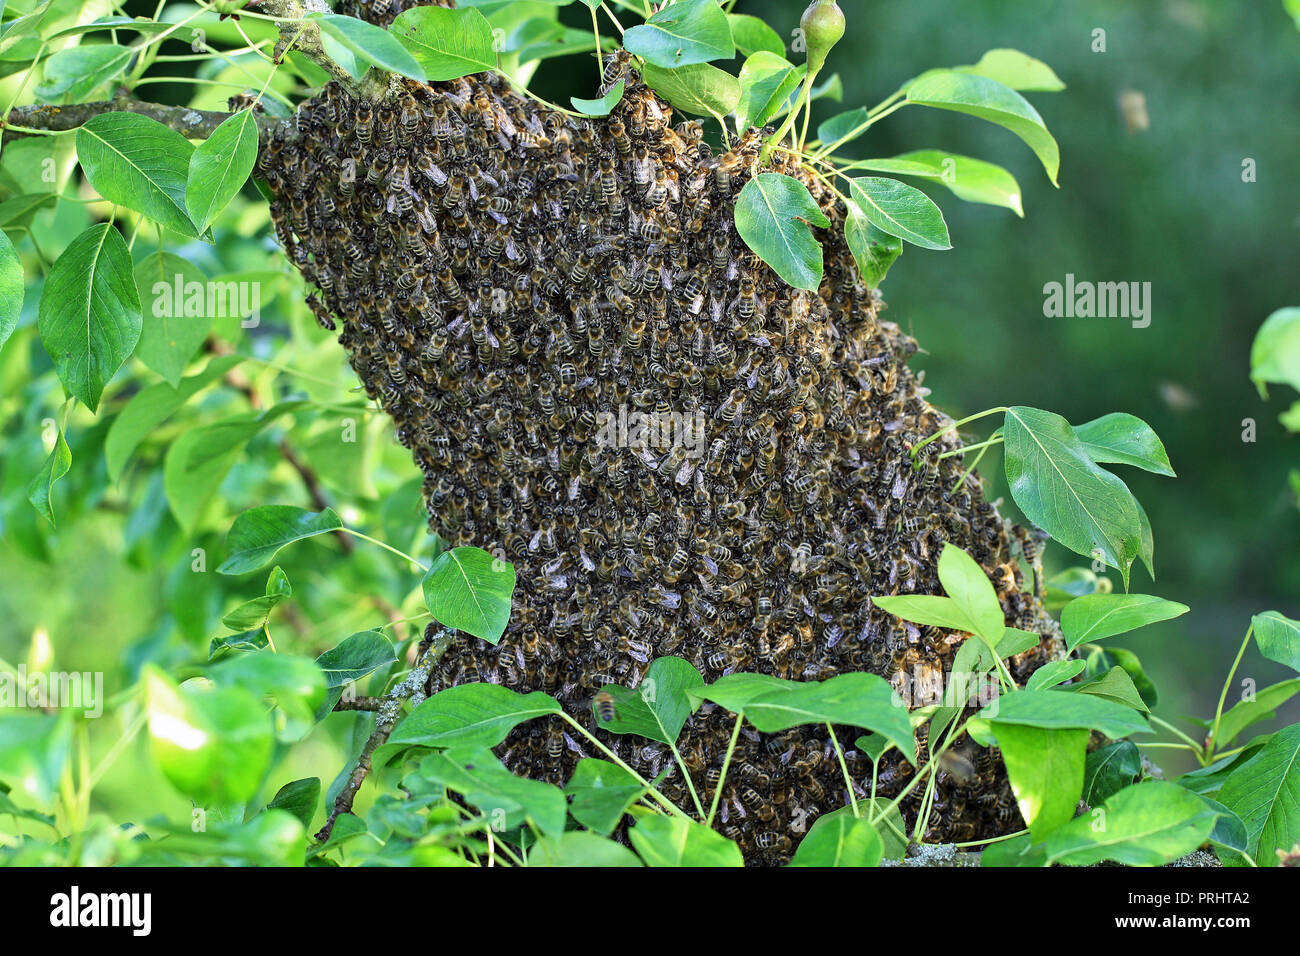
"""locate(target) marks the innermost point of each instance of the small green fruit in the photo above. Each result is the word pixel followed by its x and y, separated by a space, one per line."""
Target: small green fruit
pixel 823 25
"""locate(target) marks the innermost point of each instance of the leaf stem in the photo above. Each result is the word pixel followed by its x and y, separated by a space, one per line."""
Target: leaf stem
pixel 790 118
pixel 726 764
pixel 957 424
pixel 686 775
pixel 844 769
pixel 1174 730
pixel 1213 737
pixel 858 130
pixel 387 547
pixel 996 440
pixel 650 790
pixel 600 57
pixel 997 839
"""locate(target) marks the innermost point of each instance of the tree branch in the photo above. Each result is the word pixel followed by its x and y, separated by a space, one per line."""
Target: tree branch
pixel 432 648
pixel 189 122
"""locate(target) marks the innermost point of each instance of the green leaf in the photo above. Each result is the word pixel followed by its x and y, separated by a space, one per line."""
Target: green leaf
pixel 171 334
pixel 859 700
pixel 253 614
pixel 841 125
pixel 580 848
pixel 220 167
pixel 1265 793
pixel 1109 769
pixel 752 35
pixel 1114 685
pixel 1046 771
pixel 602 792
pixel 34 751
pixel 1275 353
pixel 213 743
pixel 1229 830
pixel 78 71
pixel 468 715
pixel 873 251
pixel 989 100
pixel 773 215
pixel 1019 851
pixel 469 590
pixel 1060 709
pixel 1127 440
pixel 926 609
pixel 57 464
pixel 1210 779
pixel 1016 70
pixel 447 43
pixel 1262 706
pixel 1057 672
pixel 698 88
pixel 198 461
pixel 1147 824
pixel 735 691
pixel 562 42
pixel 972 591
pixel 686 32
pixel 839 839
pixel 478 776
pixel 272 839
pixel 766 82
pixel 1063 491
pixel 1278 638
pixel 659 705
pixel 970 179
pixel 355 657
pixel 294 683
pixel 10 809
pixel 901 211
pixel 1064 586
pixel 603 106
pixel 369 43
pixel 219 648
pixel 346 829
pixel 150 408
pixel 1095 617
pixel 1102 659
pixel 675 841
pixel 139 163
pixel 258 534
pixel 300 798
pixel 18 211
pixel 89 316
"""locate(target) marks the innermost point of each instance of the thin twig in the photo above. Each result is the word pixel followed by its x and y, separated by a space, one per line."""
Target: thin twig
pixel 434 646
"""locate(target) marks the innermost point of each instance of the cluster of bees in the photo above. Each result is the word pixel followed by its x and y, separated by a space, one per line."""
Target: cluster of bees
pixel 503 274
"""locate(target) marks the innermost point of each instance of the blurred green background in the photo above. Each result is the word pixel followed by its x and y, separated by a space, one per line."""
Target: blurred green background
pixel 1165 205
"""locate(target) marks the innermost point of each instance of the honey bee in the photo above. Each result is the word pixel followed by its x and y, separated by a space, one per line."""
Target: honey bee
pixel 603 705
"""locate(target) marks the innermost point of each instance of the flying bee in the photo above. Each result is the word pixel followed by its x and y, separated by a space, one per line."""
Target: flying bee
pixel 957 766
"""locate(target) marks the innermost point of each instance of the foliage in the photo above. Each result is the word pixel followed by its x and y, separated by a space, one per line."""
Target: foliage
pixel 169 397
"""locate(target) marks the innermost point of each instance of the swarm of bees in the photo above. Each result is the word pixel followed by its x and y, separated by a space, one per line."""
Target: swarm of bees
pixel 503 276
